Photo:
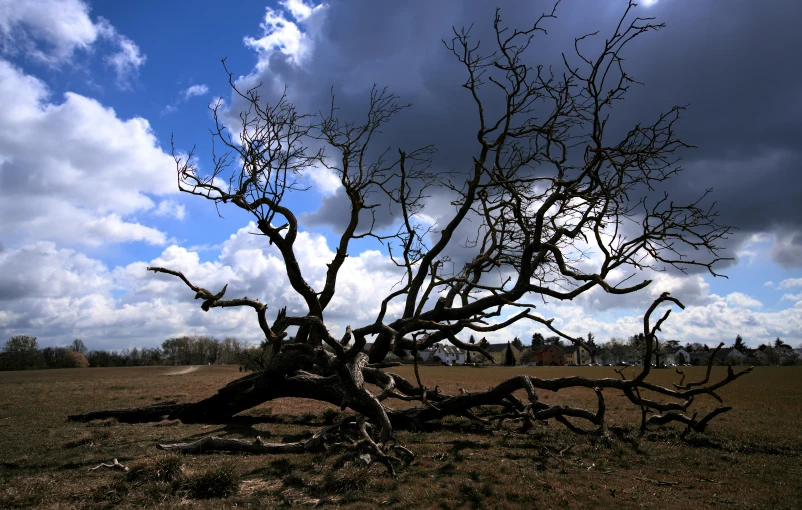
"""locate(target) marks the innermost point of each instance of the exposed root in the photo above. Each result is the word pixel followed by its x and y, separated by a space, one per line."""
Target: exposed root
pixel 349 434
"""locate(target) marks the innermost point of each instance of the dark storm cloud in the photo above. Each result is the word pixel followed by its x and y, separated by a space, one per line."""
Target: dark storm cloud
pixel 787 248
pixel 732 62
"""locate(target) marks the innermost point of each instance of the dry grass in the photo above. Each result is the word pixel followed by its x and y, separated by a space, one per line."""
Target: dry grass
pixel 749 459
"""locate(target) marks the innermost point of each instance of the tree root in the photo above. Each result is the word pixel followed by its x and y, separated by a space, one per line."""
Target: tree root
pixel 350 434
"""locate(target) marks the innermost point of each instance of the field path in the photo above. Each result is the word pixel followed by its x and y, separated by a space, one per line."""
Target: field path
pixel 183 371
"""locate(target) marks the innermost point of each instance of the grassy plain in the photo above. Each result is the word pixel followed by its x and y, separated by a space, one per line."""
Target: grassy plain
pixel 750 457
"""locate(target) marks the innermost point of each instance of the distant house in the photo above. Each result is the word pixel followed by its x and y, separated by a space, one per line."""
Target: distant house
pixel 678 356
pixel 547 355
pixel 576 355
pixel 700 358
pixel 768 355
pixel 786 354
pixel 446 353
pixel 449 354
pixel 499 353
pixel 729 355
pixel 425 354
pixel 755 356
pixel 615 355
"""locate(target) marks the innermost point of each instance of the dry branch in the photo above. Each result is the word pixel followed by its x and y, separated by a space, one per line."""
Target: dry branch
pixel 114 465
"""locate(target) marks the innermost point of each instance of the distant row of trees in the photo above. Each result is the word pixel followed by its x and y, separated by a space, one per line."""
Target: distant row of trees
pixel 22 352
pixel 635 347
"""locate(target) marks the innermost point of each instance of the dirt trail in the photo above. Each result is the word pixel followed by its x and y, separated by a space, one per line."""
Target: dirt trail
pixel 183 371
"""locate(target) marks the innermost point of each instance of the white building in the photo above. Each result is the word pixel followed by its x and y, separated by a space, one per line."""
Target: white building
pixel 678 356
pixel 446 353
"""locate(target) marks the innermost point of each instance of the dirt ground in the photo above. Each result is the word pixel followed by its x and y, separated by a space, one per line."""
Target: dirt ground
pixel 749 458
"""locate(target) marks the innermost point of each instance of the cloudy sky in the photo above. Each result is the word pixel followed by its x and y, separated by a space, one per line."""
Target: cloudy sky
pixel 93 90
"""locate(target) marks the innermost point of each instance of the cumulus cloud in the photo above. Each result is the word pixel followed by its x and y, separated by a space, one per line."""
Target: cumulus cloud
pixel 690 289
pixel 41 270
pixel 74 171
pixel 721 319
pixel 792 297
pixel 170 209
pixel 126 61
pixel 279 34
pixel 741 300
pixel 58 294
pixel 195 90
pixel 51 31
pixel 62 26
pixel 790 283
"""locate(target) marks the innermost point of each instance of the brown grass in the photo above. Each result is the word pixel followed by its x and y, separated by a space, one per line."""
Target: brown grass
pixel 750 458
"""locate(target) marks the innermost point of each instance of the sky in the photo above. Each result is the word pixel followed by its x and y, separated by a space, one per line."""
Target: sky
pixel 93 91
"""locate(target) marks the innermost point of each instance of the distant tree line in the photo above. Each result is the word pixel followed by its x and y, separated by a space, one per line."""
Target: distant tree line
pixel 777 352
pixel 22 352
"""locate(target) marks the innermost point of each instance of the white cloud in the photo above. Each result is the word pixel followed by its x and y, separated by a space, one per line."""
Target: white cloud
pixel 41 270
pixel 63 26
pixel 195 90
pixel 719 320
pixel 689 289
pixel 51 31
pixel 284 36
pixel 112 229
pixel 58 294
pixel 741 300
pixel 74 171
pixel 126 61
pixel 298 9
pixel 790 283
pixel 171 209
pixel 325 181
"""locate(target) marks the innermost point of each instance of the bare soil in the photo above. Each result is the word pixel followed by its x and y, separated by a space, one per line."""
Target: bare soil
pixel 749 458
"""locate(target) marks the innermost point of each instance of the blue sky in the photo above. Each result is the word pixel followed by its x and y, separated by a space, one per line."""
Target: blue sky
pixel 95 90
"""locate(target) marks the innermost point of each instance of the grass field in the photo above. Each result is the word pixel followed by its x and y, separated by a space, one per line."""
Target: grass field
pixel 750 457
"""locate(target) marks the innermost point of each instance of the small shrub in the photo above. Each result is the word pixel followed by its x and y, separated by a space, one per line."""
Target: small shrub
pixel 293 480
pixel 162 468
pixel 447 468
pixel 111 494
pixel 330 416
pixel 214 482
pixel 307 419
pixel 469 493
pixel 345 480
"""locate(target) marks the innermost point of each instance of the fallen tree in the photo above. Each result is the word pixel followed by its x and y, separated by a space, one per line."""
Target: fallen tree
pixel 546 186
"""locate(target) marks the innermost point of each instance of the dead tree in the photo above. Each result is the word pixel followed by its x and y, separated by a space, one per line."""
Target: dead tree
pixel 546 185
